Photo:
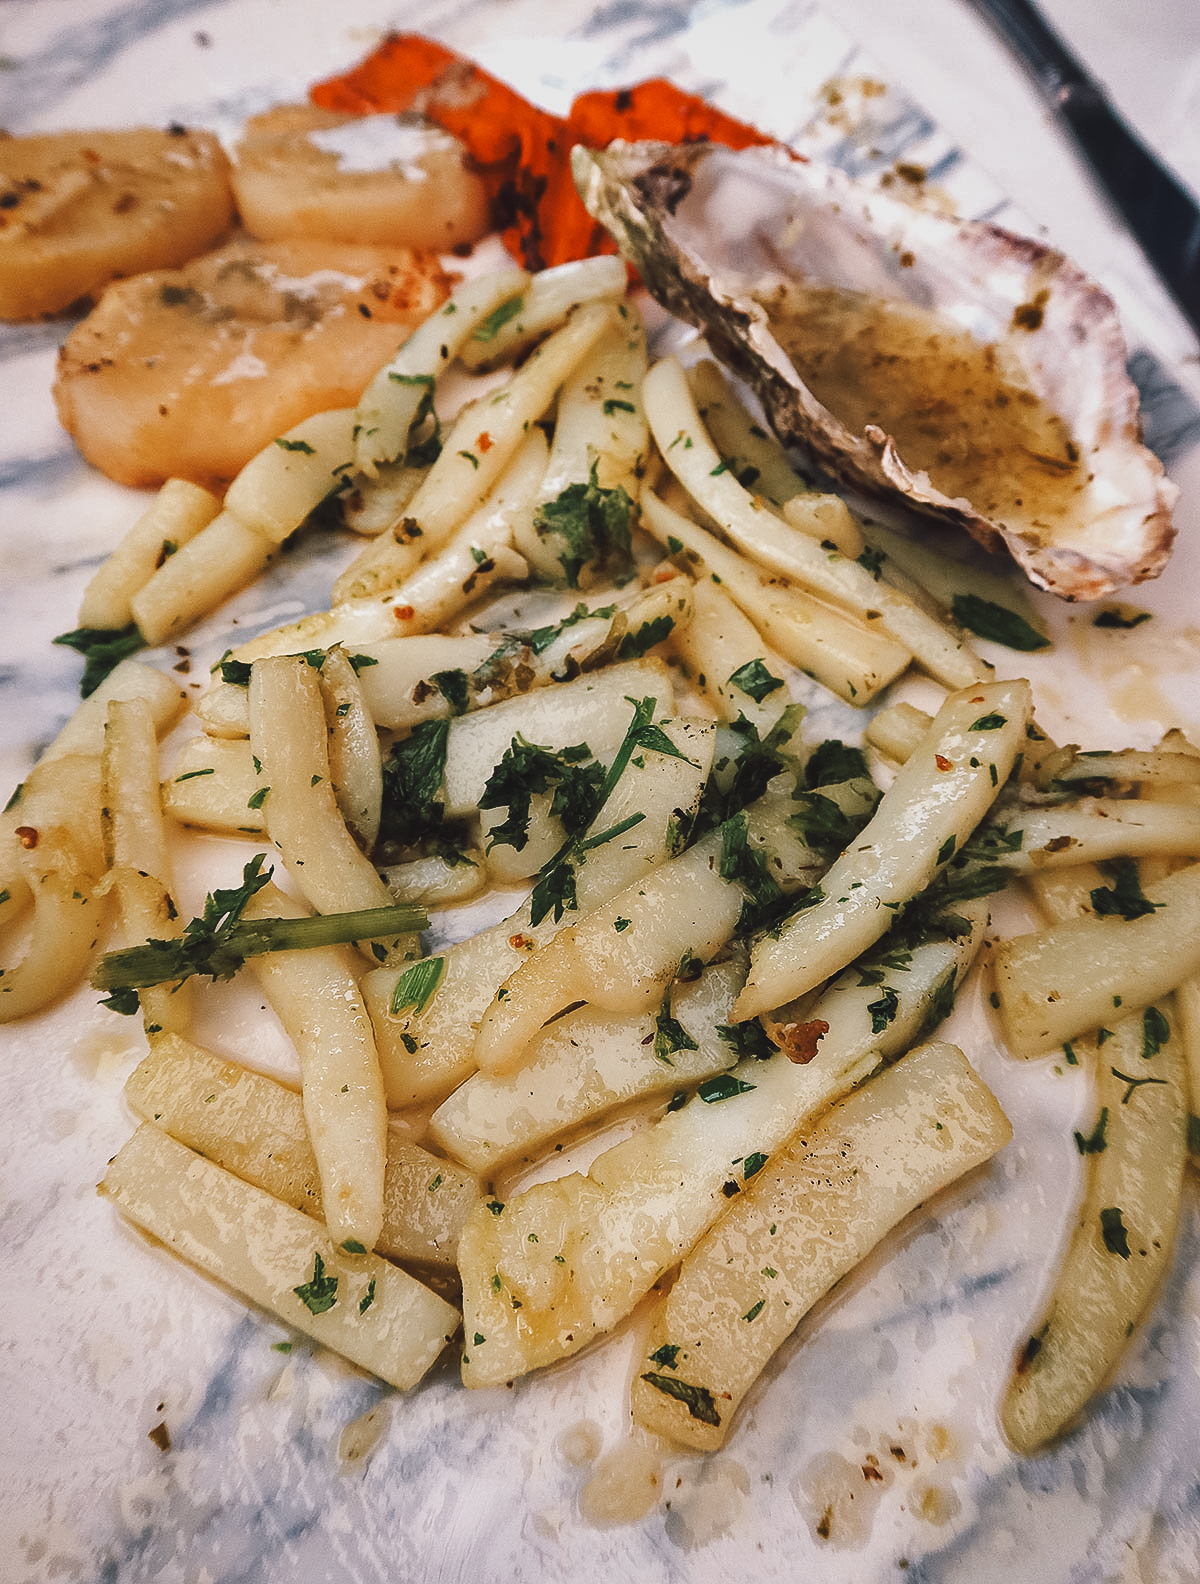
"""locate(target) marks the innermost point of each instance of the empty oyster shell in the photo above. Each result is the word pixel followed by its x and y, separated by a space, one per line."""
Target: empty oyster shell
pixel 974 374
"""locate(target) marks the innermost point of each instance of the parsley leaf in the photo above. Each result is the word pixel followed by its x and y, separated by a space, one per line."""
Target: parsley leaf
pixel 236 672
pixel 669 1033
pixel 823 825
pixel 595 524
pixel 103 649
pixel 747 865
pixel 883 1012
pixel 996 623
pixel 555 887
pixel 320 1293
pixel 412 782
pixel 723 1087
pixel 454 686
pixel 1114 617
pixel 1095 1141
pixel 754 679
pixel 1114 1232
pixel 526 770
pixel 832 761
pixel 540 639
pixel 641 639
pixel 747 1039
pixel 488 329
pixel 1125 897
pixel 1156 1031
pixel 698 1400
pixel 417 986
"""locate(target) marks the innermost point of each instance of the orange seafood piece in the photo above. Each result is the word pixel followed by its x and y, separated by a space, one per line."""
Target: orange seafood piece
pixel 525 152
pixel 188 373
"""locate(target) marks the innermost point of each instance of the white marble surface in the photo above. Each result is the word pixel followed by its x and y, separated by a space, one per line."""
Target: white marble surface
pixel 102 1337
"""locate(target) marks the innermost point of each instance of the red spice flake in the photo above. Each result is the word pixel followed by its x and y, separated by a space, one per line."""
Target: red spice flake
pixel 485 442
pixel 799 1041
pixel 27 836
pixel 942 762
pixel 404 613
pixel 522 152
pixel 520 942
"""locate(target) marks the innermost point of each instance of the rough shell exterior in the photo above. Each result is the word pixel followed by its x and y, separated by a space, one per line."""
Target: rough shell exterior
pixel 706 227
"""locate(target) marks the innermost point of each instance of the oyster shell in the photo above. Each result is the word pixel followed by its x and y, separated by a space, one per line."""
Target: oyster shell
pixel 976 375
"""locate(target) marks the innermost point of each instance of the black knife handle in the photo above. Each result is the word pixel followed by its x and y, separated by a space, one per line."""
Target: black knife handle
pixel 1056 68
pixel 1157 207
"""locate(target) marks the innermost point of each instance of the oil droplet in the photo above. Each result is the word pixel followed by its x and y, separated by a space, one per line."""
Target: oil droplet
pixel 360 1438
pixel 627 1484
pixel 935 1504
pixel 709 1505
pixel 580 1444
pixel 838 1500
pixel 103 1056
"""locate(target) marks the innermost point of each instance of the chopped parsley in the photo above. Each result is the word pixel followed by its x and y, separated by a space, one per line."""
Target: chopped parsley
pixel 822 823
pixel 883 1011
pixel 1113 616
pixel 417 986
pixel 454 686
pixel 833 761
pixel 1114 1232
pixel 488 329
pixel 236 672
pixel 746 865
pixel 302 446
pixel 103 649
pixel 723 1087
pixel 698 1400
pixel 412 782
pixel 540 639
pixel 320 1293
pixel 596 525
pixel 1156 1032
pixel 996 623
pixel 554 890
pixel 1124 898
pixel 754 679
pixel 669 1033
pixel 1095 1141
pixel 571 774
pixel 640 640
pixel 747 1039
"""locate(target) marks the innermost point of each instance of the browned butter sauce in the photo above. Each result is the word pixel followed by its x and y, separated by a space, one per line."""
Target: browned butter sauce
pixel 953 408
